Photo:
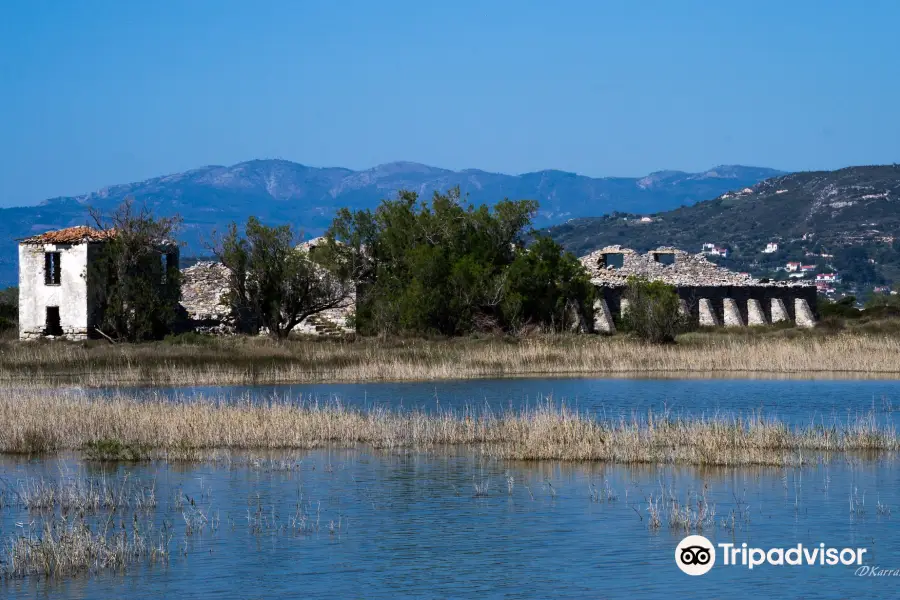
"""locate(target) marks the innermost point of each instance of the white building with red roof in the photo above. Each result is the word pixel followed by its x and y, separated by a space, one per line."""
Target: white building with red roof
pixel 59 294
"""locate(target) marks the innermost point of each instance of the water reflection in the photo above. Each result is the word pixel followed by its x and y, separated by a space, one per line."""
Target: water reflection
pixel 459 524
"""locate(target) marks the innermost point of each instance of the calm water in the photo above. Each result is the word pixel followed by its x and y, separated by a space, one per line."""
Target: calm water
pixel 412 525
pixel 791 400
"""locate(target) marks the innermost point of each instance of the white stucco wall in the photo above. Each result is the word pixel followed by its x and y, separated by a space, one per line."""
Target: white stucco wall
pixel 71 295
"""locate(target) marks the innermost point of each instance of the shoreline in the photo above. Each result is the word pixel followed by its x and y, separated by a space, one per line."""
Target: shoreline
pixel 199 361
pixel 736 375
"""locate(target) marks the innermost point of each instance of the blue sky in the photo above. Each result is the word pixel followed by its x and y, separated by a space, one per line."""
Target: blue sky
pixel 100 92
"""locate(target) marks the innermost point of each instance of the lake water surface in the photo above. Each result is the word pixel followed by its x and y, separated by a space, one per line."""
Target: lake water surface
pixel 792 400
pixel 455 524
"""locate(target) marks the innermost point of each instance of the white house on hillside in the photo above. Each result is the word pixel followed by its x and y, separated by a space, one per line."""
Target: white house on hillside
pixel 714 250
pixel 771 247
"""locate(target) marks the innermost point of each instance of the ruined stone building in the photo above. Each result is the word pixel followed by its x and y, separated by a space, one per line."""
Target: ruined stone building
pixel 203 289
pixel 60 295
pixel 710 295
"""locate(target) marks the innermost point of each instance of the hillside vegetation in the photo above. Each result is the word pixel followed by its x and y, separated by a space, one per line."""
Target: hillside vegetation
pixel 851 216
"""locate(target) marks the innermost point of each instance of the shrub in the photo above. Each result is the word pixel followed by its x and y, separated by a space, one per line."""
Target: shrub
pixel 138 270
pixel 109 449
pixel 844 308
pixel 654 311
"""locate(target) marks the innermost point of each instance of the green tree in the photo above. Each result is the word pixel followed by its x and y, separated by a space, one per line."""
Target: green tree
pixel 137 275
pixel 548 286
pixel 9 308
pixel 273 283
pixel 654 311
pixel 444 266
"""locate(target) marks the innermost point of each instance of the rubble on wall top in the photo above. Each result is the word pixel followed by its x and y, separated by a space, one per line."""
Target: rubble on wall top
pixel 70 235
pixel 313 243
pixel 687 270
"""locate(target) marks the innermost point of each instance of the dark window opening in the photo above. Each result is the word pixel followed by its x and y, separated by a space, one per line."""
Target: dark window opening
pixel 612 260
pixel 664 258
pixel 165 268
pixel 53 325
pixel 52 268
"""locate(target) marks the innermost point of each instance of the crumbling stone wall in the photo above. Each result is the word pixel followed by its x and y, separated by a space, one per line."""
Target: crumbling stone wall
pixel 710 294
pixel 203 289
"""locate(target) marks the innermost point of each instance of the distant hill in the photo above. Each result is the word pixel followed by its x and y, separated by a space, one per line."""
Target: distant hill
pixel 852 216
pixel 279 191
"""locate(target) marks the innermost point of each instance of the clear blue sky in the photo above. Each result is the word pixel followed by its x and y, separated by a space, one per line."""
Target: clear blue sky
pixel 99 92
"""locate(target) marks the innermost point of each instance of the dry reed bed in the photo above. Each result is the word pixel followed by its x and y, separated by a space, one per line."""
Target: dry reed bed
pixel 85 494
pixel 35 421
pixel 65 546
pixel 243 360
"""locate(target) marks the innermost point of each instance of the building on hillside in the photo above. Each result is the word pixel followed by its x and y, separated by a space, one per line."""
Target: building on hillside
pixel 792 267
pixel 771 248
pixel 714 250
pixel 709 294
pixel 60 295
pixel 827 277
pixel 807 268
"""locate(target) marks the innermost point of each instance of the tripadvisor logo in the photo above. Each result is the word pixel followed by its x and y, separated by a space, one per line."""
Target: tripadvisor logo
pixel 696 555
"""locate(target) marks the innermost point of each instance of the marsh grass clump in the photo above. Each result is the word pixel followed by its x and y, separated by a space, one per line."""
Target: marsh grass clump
pixel 37 438
pixel 86 494
pixel 198 427
pixel 695 514
pixel 61 546
pixel 111 449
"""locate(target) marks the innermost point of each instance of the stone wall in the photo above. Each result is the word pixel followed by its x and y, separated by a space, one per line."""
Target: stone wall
pixel 203 289
pixel 710 295
pixel 734 305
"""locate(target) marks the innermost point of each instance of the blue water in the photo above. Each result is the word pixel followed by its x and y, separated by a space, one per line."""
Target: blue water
pixel 411 526
pixel 414 524
pixel 793 400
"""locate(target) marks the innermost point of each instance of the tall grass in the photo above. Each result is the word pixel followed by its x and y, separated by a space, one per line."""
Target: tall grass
pixel 64 546
pixel 86 494
pixel 186 428
pixel 200 360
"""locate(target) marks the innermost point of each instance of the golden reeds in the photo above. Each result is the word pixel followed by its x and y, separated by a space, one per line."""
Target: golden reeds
pixel 36 421
pixel 243 360
pixel 64 546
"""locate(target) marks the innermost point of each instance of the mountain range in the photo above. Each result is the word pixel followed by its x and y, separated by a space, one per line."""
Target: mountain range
pixel 279 191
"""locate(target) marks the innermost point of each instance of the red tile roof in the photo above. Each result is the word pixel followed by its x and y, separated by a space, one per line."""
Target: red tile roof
pixel 70 235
